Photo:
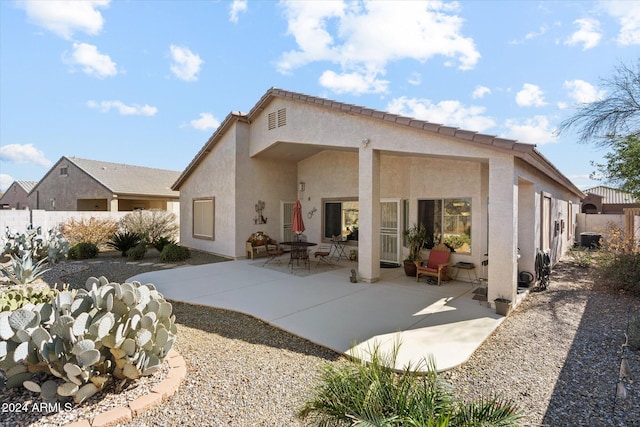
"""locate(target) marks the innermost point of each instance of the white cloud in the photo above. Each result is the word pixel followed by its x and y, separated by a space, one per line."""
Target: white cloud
pixel 5 181
pixel 123 109
pixel 23 153
pixel 369 35
pixel 64 18
pixel 530 95
pixel 353 82
pixel 583 92
pixel 415 79
pixel 480 92
pixel 91 60
pixel 186 64
pixel 237 6
pixel 449 113
pixel 533 130
pixel 588 35
pixel 205 122
pixel 628 15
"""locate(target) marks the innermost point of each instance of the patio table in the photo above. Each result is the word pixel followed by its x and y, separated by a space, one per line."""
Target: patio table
pixel 295 254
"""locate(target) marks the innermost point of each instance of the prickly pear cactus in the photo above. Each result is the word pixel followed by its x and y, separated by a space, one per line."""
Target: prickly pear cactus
pixel 85 339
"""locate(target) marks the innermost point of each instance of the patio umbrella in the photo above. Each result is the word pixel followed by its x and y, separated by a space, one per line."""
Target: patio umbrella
pixel 298 223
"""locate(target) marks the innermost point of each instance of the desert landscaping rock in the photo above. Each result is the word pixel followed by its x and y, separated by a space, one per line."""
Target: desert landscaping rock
pixel 557 356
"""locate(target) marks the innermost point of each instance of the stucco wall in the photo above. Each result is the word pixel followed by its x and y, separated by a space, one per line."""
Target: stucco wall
pixel 15 197
pixel 65 189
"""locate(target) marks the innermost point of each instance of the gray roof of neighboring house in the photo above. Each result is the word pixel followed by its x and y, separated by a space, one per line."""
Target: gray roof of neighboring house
pixel 611 196
pixel 525 151
pixel 27 185
pixel 128 179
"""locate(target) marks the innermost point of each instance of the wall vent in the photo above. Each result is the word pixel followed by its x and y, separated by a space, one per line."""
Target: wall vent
pixel 272 121
pixel 278 119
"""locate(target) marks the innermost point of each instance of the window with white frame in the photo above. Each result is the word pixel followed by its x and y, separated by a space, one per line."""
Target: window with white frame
pixel 203 218
pixel 340 218
pixel 447 221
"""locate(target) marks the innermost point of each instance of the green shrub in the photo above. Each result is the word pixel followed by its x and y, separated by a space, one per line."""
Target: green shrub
pixel 373 394
pixel 83 250
pixel 93 230
pixel 582 257
pixel 137 252
pixel 161 242
pixel 151 225
pixel 174 253
pixel 123 241
pixel 86 340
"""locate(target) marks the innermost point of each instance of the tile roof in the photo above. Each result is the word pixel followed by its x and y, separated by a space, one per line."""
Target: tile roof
pixel 27 185
pixel 611 196
pixel 128 179
pixel 525 151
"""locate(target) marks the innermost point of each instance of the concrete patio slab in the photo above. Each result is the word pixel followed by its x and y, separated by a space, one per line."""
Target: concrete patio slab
pixel 444 322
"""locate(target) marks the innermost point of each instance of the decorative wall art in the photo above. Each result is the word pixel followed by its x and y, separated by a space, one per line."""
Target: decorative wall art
pixel 259 218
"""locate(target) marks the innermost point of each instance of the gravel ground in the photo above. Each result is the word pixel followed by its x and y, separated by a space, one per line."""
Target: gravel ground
pixel 557 356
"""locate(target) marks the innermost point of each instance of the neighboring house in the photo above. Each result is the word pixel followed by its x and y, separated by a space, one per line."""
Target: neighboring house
pixel 606 200
pixel 368 175
pixel 74 184
pixel 17 195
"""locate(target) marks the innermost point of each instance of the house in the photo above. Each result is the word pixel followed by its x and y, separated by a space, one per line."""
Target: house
pixel 75 184
pixel 17 195
pixel 606 200
pixel 368 175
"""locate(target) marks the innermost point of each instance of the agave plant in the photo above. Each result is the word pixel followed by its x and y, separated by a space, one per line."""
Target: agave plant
pixel 23 270
pixel 123 241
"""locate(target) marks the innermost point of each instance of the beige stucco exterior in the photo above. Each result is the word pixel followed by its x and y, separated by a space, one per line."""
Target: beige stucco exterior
pixel 67 187
pixel 344 152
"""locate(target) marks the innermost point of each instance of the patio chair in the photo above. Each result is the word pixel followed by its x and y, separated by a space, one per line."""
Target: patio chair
pixel 436 264
pixel 299 253
pixel 274 252
pixel 323 253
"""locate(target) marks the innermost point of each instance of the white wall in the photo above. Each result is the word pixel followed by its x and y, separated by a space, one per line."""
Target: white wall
pixel 19 220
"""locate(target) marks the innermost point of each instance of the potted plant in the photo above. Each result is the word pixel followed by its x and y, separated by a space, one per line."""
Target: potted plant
pixel 503 306
pixel 416 238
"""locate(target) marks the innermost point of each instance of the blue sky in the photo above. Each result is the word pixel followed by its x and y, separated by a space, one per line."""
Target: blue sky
pixel 147 82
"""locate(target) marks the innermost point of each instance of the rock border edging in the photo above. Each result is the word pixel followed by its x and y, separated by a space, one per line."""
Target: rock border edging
pixel 159 394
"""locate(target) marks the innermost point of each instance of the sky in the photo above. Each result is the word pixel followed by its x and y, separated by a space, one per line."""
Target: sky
pixel 147 82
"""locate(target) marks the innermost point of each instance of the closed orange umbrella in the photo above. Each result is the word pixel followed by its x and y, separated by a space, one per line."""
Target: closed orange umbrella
pixel 298 223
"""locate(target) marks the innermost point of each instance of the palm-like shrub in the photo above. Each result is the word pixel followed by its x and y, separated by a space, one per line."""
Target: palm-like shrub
pixel 162 242
pixel 373 394
pixel 124 240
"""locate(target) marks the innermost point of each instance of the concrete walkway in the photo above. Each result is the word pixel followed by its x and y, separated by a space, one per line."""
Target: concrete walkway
pixel 350 318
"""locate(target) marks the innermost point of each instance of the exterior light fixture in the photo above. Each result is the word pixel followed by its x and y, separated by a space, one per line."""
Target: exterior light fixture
pixel 365 142
pixel 301 186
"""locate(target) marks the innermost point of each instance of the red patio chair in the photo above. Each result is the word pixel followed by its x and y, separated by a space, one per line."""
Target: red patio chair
pixel 436 264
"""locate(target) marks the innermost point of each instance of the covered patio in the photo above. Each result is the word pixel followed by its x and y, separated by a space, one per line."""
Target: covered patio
pixel 350 318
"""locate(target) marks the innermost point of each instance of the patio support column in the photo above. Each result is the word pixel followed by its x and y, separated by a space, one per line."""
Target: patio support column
pixel 369 214
pixel 503 229
pixel 113 205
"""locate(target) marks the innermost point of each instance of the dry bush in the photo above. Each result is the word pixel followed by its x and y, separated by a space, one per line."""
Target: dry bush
pixel 619 261
pixel 151 224
pixel 93 230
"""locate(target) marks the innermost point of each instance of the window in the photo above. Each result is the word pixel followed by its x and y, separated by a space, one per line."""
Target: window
pixel 203 218
pixel 447 221
pixel 64 171
pixel 340 219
